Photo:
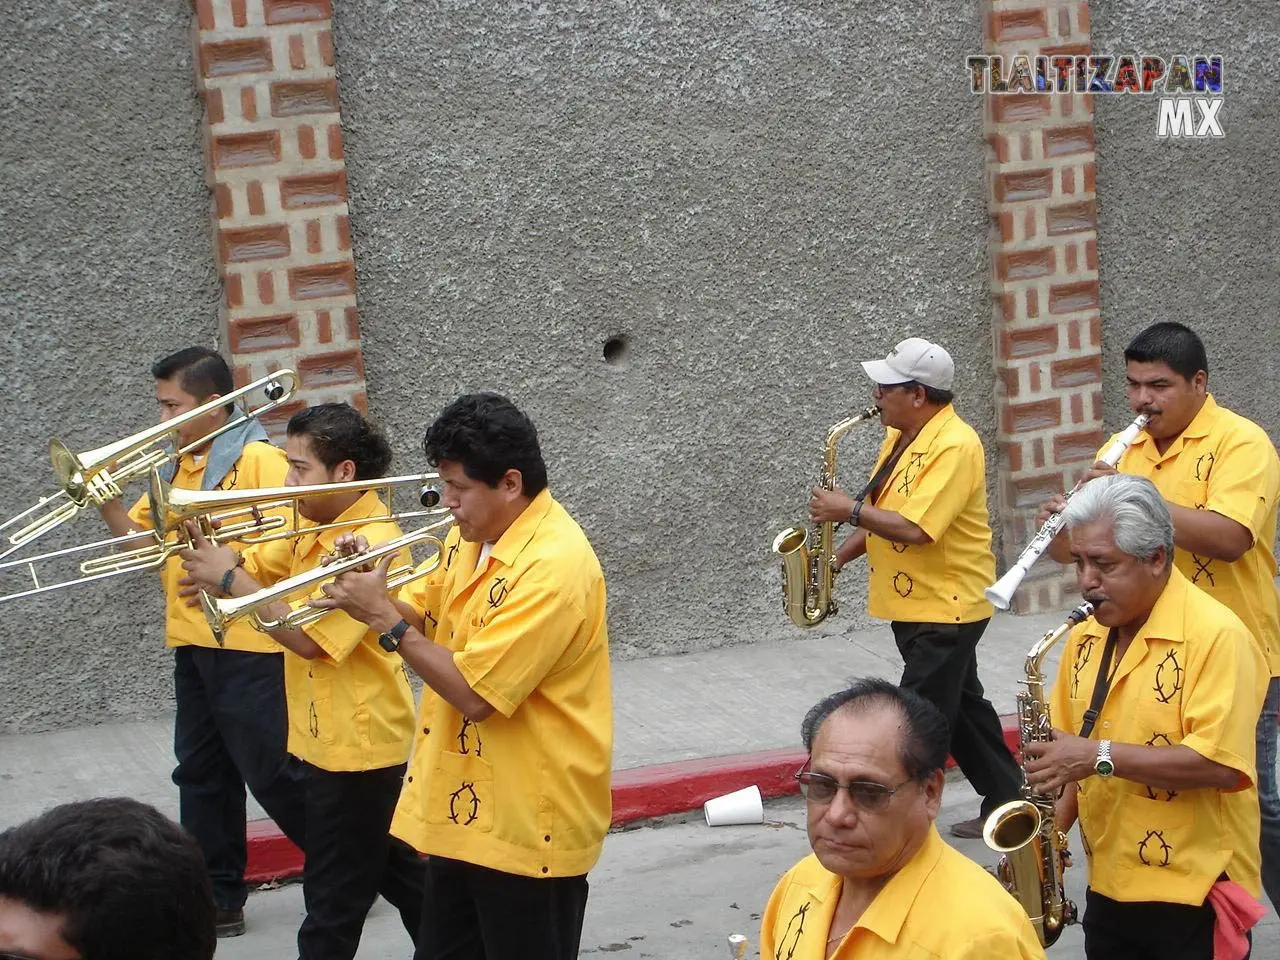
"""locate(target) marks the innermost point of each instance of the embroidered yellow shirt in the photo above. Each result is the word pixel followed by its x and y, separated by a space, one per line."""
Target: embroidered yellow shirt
pixel 1193 676
pixel 525 791
pixel 1224 463
pixel 260 465
pixel 351 709
pixel 940 906
pixel 939 484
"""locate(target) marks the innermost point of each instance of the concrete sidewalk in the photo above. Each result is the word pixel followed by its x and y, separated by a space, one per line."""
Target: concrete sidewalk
pixel 690 711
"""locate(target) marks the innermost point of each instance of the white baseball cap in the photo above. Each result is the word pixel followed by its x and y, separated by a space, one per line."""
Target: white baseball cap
pixel 913 359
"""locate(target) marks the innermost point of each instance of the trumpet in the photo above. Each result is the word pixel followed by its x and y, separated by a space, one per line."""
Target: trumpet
pixel 1000 593
pixel 98 476
pixel 221 612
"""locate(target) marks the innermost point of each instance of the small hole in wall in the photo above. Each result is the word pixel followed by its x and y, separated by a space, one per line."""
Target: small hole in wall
pixel 617 350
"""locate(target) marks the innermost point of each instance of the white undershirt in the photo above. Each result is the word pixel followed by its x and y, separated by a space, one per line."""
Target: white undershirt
pixel 485 550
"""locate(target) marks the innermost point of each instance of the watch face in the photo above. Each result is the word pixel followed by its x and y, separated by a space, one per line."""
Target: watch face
pixel 1104 768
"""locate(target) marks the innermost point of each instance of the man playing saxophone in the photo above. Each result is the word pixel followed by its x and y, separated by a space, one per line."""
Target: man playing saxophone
pixel 350 704
pixel 922 522
pixel 1220 478
pixel 1155 697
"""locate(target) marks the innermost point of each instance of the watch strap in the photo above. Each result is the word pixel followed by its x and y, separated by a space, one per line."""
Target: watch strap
pixel 390 641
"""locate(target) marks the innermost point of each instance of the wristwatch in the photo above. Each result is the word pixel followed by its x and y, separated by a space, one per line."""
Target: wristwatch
pixel 1103 766
pixel 390 641
pixel 856 513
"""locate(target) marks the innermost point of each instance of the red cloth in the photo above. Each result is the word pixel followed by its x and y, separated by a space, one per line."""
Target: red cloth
pixel 1236 911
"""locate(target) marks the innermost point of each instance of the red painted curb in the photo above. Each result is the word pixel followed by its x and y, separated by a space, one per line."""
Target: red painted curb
pixel 639 793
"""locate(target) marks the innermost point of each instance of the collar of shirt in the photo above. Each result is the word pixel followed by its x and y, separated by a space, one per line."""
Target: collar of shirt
pixel 1200 426
pixel 928 433
pixel 516 537
pixel 368 507
pixel 1166 621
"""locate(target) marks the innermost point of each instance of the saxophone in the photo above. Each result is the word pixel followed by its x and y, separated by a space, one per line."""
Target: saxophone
pixel 808 575
pixel 1023 831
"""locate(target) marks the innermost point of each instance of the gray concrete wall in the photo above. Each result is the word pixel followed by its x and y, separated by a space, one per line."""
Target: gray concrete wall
pixel 105 265
pixel 736 189
pixel 1189 230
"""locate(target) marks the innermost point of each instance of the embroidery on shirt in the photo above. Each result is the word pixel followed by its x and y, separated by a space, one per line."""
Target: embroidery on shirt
pixel 1083 653
pixel 1153 850
pixel 314 720
pixel 1204 465
pixel 898 547
pixel 903 584
pixel 910 472
pixel 498 592
pixel 434 621
pixel 796 922
pixel 464 798
pixel 1168 681
pixel 448 557
pixel 1160 740
pixel 229 481
pixel 463 742
pixel 1202 569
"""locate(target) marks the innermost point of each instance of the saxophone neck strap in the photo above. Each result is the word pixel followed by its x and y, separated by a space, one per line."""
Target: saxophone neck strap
pixel 880 476
pixel 1101 685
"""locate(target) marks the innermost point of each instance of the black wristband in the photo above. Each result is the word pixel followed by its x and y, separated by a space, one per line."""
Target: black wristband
pixel 225 586
pixel 390 641
pixel 855 513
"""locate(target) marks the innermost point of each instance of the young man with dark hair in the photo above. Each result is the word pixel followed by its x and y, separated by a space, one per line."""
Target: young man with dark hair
pixel 508 793
pixel 1220 478
pixel 229 729
pixel 350 705
pixel 922 524
pixel 880 882
pixel 108 879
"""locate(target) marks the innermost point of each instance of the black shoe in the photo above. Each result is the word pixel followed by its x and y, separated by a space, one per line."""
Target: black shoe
pixel 229 923
pixel 968 829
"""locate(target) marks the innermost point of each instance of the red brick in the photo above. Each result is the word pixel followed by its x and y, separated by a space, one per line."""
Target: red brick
pixel 1033 303
pixel 1037 452
pixel 1077 408
pixel 281 415
pixel 299 97
pixel 1070 252
pixel 204 14
pixel 361 402
pixel 233 291
pixel 324 326
pixel 248 104
pixel 1082 17
pixel 297 53
pixel 1020 107
pixel 1090 175
pixel 1029 230
pixel 1064 141
pixel 266 288
pixel 313 236
pixel 253 334
pixel 242 374
pixel 246 149
pixel 1071 218
pixel 257 202
pixel 335 142
pixel 324 280
pixel 1019 25
pixel 331 369
pixel 1073 335
pixel 1095 404
pixel 1076 372
pixel 1025 264
pixel 1064 23
pixel 250 55
pixel 238 14
pixel 1091 254
pixel 353 324
pixel 344 232
pixel 213 103
pixel 1068 180
pixel 325 41
pixel 222 203
pixel 1009 377
pixel 306 142
pixel 1073 297
pixel 999 145
pixel 267 242
pixel 315 190
pixel 1028 342
pixel 1013 456
pixel 1033 491
pixel 1003 224
pixel 1024 185
pixel 1095 331
pixel 295 11
pixel 1033 374
pixel 1025 417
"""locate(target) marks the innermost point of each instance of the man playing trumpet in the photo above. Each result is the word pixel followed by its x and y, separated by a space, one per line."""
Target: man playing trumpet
pixel 350 704
pixel 922 522
pixel 1220 477
pixel 1156 696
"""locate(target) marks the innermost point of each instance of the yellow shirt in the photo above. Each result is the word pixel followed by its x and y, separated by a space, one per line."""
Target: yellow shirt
pixel 351 709
pixel 1194 676
pixel 1224 463
pixel 939 484
pixel 939 906
pixel 260 465
pixel 525 791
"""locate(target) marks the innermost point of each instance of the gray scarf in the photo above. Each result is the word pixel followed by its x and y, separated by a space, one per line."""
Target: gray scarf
pixel 223 452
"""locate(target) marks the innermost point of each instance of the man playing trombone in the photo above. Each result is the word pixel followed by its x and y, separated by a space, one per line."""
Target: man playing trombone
pixel 229 727
pixel 350 704
pixel 508 792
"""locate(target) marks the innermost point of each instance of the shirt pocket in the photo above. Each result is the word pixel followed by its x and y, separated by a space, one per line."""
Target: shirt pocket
pixel 319 722
pixel 1156 842
pixel 1191 493
pixel 461 792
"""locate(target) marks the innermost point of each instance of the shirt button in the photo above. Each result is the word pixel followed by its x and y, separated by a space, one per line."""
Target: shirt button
pixel 545 870
pixel 426 731
pixel 547 838
pixel 411 779
pixel 1158 466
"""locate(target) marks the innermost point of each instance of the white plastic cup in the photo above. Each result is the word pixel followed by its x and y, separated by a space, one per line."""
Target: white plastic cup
pixel 741 806
pixel 737 947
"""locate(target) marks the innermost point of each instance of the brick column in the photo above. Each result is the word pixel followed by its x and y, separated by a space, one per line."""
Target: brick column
pixel 274 161
pixel 1044 281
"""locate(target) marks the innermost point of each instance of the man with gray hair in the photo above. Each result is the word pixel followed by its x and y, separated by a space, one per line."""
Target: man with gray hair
pixel 1156 696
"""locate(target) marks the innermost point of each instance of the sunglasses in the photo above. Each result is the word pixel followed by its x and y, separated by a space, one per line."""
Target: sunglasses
pixel 865 794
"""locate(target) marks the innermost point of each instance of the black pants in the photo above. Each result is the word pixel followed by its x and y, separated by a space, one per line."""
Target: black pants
pixel 940 663
pixel 1147 930
pixel 230 731
pixel 351 858
pixel 474 913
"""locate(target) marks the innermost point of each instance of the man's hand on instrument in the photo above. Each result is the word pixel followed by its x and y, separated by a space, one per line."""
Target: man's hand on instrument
pixel 829 506
pixel 1065 759
pixel 205 562
pixel 1100 469
pixel 345 546
pixel 1056 504
pixel 362 595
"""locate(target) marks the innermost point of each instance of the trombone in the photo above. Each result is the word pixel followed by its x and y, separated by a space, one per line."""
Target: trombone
pixel 99 475
pixel 221 612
